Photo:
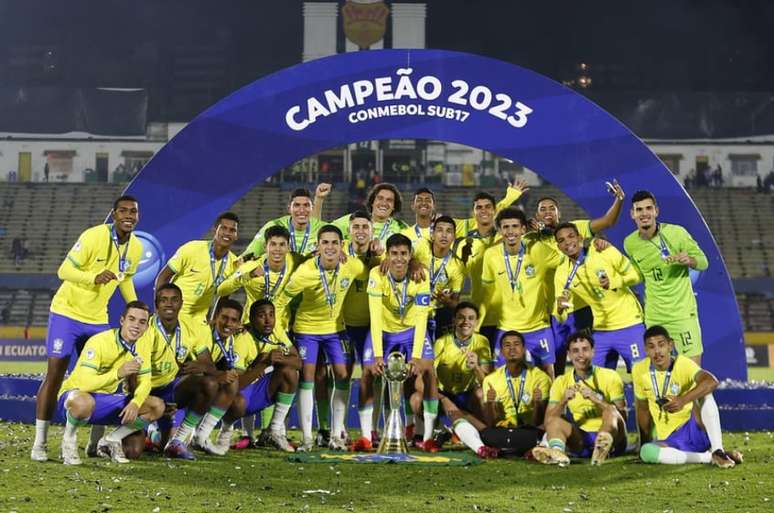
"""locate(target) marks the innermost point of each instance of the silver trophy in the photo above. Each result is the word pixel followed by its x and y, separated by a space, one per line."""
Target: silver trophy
pixel 393 437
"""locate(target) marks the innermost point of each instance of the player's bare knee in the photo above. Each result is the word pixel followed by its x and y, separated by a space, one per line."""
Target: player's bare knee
pixel 154 408
pixel 208 388
pixel 238 407
pixel 80 405
pixel 289 375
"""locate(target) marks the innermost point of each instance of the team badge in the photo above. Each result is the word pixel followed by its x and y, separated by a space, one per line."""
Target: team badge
pixel 58 344
pixel 530 271
pixel 675 388
pixel 302 352
pixel 371 283
pixel 526 398
pixel 90 353
pixel 345 283
pixel 181 353
pixel 77 247
pixel 368 353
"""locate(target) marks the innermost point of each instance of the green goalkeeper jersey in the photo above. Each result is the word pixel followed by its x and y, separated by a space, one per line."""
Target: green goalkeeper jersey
pixel 668 290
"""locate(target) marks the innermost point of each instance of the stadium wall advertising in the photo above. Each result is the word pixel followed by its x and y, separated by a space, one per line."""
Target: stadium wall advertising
pixel 423 94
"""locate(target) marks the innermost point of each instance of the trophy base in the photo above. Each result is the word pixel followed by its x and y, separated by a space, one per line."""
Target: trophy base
pixel 392 446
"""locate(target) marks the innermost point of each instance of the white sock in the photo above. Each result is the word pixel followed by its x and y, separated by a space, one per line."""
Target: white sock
pixel 339 402
pixel 41 432
pixel 305 408
pixel 206 426
pixel 670 456
pixel 95 434
pixel 70 430
pixel 710 417
pixel 277 424
pixel 468 434
pixel 366 419
pixel 226 429
pixel 127 429
pixel 248 425
pixel 429 425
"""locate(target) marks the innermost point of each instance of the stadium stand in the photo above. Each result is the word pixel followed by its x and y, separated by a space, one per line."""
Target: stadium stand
pixel 51 216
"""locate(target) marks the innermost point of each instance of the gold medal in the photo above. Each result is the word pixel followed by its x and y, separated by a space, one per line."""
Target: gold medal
pixel 120 276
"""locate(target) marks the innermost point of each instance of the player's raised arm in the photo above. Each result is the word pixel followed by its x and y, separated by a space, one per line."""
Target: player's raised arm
pixel 322 192
pixel 612 214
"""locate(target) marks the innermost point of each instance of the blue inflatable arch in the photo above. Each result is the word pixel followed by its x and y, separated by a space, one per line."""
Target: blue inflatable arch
pixel 420 94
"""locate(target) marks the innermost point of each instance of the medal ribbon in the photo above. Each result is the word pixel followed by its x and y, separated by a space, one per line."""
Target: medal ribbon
pixel 516 399
pixel 128 348
pixel 385 229
pixel 228 355
pixel 293 237
pixel 513 278
pixel 121 258
pixel 178 336
pixel 667 377
pixel 574 271
pixel 217 278
pixel 268 291
pixel 434 276
pixel 330 297
pixel 402 299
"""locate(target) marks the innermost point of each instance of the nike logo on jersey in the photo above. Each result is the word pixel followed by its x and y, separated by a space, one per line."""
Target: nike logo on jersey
pixel 101 259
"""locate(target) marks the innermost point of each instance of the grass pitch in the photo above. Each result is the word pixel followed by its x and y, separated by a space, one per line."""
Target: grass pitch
pixel 258 480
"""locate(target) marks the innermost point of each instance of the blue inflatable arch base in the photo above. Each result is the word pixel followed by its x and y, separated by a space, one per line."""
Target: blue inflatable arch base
pixel 420 94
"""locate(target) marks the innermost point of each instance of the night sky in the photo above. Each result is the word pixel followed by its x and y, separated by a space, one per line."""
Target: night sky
pixel 191 53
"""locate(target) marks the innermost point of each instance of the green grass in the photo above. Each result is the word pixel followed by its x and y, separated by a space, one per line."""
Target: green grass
pixel 264 481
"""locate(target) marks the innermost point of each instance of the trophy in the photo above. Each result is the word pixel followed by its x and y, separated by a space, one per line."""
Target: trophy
pixel 393 437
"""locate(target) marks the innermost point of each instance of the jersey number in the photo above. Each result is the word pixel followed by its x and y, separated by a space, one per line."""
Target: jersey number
pixel 685 337
pixel 635 351
pixel 657 274
pixel 544 344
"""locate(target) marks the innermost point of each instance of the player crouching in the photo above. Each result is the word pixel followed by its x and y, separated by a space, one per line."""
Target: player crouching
pixel 90 395
pixel 594 397
pixel 674 399
pixel 268 365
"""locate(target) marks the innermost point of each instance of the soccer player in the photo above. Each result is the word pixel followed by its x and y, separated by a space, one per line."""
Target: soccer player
pixel 105 256
pixel 595 399
pixel 601 279
pixel 219 360
pixel 547 218
pixel 176 378
pixel 513 276
pixel 383 202
pixel 399 309
pixel 198 267
pixel 664 254
pixel 677 416
pixel 89 395
pixel 515 403
pixel 462 360
pixel 424 210
pixel 324 282
pixel 268 366
pixel 301 225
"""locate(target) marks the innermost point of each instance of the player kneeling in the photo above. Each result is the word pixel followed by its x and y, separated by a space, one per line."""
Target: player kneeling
pixel 674 399
pixel 268 365
pixel 89 395
pixel 595 398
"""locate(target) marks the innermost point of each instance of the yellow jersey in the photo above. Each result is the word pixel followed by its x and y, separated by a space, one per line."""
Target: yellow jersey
pixel 682 379
pixel 355 308
pixel 416 233
pixel 522 389
pixel 198 275
pixel 445 273
pixel 518 290
pixel 606 383
pixel 96 250
pixel 248 346
pixel 450 362
pixel 396 307
pixel 269 286
pixel 614 308
pixel 97 368
pixel 468 227
pixel 324 292
pixel 170 350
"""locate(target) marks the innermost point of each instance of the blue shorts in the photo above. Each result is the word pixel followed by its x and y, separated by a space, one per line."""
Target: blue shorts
pixel 357 336
pixel 689 437
pixel 66 336
pixel 578 320
pixel 490 332
pixel 460 400
pixel 257 395
pixel 539 343
pixel 403 342
pixel 106 409
pixel 626 342
pixel 167 392
pixel 335 346
pixel 589 439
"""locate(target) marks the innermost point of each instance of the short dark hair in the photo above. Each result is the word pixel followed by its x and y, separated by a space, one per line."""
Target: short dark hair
pixel 579 335
pixel 481 195
pixel 227 215
pixel 257 304
pixel 512 333
pixel 511 213
pixel 547 198
pixel 562 226
pixel 466 304
pixel 329 228
pixel 360 213
pixel 643 195
pixel 398 239
pixel 381 187
pixel 655 331
pixel 125 197
pixel 227 302
pixel 424 190
pixel 300 192
pixel 166 286
pixel 276 231
pixel 444 219
pixel 139 305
